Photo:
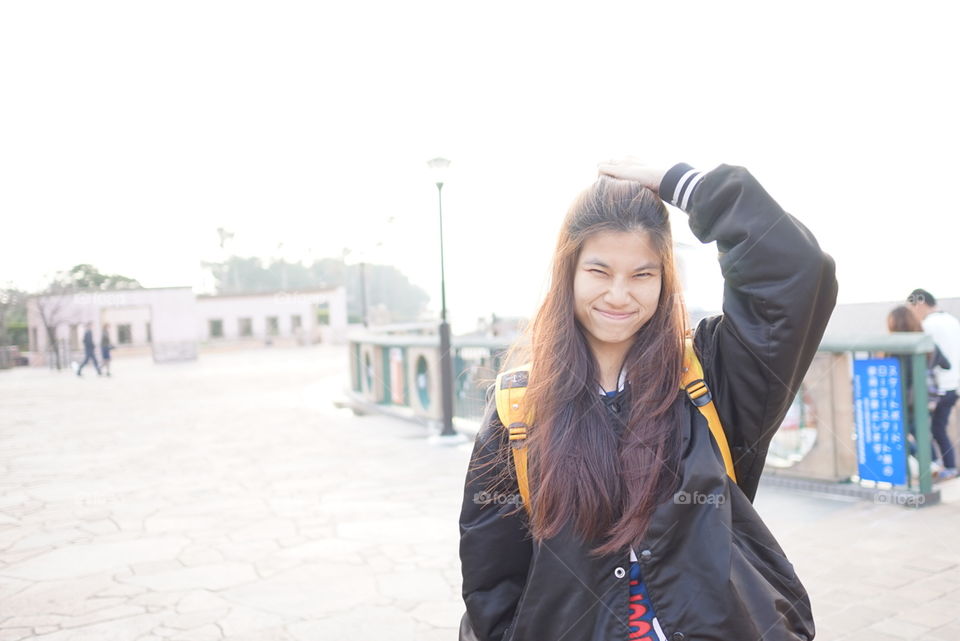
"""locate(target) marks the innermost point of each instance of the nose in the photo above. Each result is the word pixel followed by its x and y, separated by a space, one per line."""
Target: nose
pixel 618 294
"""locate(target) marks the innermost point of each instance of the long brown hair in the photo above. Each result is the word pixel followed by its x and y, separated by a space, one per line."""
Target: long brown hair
pixel 582 472
pixel 902 319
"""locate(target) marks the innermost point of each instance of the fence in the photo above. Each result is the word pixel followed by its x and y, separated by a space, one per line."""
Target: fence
pixel 817 442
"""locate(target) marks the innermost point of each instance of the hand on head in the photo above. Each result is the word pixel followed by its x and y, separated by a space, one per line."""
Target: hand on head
pixel 631 168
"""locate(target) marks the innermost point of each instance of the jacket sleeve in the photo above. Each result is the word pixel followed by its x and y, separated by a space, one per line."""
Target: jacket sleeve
pixel 495 548
pixel 779 292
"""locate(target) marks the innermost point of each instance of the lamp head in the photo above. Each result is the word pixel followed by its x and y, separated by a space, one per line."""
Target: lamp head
pixel 439 168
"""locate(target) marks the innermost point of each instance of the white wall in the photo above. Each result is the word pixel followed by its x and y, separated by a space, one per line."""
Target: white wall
pixel 174 324
pixel 178 319
pixel 171 312
pixel 136 316
pixel 283 305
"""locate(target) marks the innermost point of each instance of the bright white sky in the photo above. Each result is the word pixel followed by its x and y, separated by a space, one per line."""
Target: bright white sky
pixel 130 131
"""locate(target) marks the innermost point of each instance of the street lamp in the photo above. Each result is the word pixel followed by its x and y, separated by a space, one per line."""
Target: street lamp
pixel 361 257
pixel 438 168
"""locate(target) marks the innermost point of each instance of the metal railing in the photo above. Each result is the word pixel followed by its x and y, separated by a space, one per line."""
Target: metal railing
pixel 8 356
pixel 402 371
pixel 912 349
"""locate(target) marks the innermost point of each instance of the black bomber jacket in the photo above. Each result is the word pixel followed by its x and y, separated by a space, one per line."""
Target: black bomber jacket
pixel 713 572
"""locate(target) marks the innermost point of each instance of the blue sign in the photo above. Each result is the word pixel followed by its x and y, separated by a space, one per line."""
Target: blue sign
pixel 879 411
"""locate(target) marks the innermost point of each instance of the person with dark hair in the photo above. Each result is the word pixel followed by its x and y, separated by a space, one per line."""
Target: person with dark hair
pixel 902 319
pixel 89 350
pixel 635 529
pixel 945 331
pixel 921 297
pixel 106 346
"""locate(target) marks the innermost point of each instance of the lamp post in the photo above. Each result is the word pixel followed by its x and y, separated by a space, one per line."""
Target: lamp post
pixel 363 293
pixel 362 256
pixel 438 167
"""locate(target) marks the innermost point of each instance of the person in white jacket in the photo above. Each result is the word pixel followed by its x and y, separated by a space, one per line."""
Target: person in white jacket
pixel 944 329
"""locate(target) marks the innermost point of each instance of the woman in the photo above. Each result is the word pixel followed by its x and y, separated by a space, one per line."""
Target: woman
pixel 634 530
pixel 902 319
pixel 106 347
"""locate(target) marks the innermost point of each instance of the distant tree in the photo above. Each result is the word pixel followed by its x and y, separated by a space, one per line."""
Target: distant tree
pixel 241 275
pixel 388 286
pixel 385 284
pixel 88 277
pixel 51 303
pixel 13 316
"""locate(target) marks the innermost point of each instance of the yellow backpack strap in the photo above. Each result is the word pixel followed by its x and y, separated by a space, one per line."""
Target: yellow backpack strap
pixel 698 392
pixel 510 390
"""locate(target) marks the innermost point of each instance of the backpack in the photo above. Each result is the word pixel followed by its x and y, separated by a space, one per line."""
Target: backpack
pixel 511 387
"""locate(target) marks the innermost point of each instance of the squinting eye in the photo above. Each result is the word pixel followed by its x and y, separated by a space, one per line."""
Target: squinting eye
pixel 645 274
pixel 597 271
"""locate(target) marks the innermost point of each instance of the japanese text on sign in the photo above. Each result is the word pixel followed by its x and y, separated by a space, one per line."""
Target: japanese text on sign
pixel 879 412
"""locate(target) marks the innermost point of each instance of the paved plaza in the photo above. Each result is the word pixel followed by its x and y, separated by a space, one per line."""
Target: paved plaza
pixel 228 498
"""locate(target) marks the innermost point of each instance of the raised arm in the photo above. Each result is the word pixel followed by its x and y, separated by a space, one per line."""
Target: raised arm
pixel 779 292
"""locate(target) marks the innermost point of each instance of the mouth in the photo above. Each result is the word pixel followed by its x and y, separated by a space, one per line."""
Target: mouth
pixel 614 315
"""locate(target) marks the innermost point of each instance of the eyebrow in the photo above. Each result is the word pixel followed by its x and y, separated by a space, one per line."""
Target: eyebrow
pixel 600 263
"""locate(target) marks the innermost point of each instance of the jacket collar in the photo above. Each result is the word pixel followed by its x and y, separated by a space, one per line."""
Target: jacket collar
pixel 620 382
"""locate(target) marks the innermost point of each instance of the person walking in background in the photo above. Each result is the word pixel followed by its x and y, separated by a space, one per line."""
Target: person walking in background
pixel 945 331
pixel 89 350
pixel 902 319
pixel 106 347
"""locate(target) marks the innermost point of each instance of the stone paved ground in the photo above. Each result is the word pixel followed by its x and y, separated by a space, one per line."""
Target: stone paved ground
pixel 228 499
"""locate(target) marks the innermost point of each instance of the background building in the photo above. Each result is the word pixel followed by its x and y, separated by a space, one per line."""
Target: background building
pixel 859 319
pixel 154 320
pixel 302 317
pixel 170 323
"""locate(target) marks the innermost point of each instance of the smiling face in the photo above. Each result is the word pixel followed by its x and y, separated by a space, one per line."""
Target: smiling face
pixel 616 287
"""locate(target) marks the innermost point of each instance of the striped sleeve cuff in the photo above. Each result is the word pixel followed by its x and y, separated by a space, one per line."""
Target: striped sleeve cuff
pixel 678 185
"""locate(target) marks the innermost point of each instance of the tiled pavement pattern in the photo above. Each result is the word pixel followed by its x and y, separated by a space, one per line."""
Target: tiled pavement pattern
pixel 228 499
